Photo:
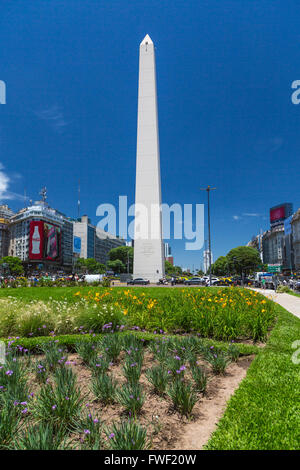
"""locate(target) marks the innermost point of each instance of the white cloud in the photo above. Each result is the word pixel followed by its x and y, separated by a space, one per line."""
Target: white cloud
pixel 253 214
pixel 54 117
pixel 236 217
pixel 5 182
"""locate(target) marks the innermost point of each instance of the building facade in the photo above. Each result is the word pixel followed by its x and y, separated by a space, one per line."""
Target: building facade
pixel 272 244
pixel 95 243
pixel 5 215
pixel 41 237
pixel 295 228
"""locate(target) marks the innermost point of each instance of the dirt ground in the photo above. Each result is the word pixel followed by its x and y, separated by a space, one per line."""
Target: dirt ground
pixel 169 430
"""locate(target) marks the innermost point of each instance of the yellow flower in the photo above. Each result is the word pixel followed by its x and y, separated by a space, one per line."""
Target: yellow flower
pixel 125 311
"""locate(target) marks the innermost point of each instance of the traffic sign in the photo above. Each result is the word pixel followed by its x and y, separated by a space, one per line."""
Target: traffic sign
pixel 274 268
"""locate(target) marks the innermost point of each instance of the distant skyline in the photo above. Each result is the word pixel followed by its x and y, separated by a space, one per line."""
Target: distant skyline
pixel 226 118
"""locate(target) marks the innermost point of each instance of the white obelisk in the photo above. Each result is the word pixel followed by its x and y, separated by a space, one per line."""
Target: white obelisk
pixel 148 243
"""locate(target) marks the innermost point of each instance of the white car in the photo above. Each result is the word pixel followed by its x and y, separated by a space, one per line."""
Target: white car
pixel 214 280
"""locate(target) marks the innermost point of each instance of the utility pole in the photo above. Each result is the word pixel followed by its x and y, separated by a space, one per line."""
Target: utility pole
pixel 208 189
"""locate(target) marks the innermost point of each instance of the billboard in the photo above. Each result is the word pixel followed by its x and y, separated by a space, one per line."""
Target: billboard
pixel 280 212
pixel 36 238
pixel 51 242
pixel 77 245
pixel 44 241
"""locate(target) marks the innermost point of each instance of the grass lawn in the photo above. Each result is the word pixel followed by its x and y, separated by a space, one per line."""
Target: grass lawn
pixel 264 413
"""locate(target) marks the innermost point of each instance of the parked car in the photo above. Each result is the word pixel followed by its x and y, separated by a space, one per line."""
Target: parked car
pixel 193 281
pixel 138 280
pixel 214 281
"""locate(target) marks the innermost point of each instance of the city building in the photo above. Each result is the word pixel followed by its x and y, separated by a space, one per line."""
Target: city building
pixel 95 243
pixel 295 229
pixel 5 216
pixel 41 237
pixel 272 245
pixel 206 260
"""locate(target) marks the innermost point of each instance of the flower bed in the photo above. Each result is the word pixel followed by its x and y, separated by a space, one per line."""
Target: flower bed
pixel 120 393
pixel 221 313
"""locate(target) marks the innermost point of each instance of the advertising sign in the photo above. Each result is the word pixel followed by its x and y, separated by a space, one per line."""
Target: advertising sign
pixel 51 242
pixel 277 213
pixel 77 245
pixel 36 238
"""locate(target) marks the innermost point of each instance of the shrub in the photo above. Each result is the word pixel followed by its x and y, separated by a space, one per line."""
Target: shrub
pixel 87 351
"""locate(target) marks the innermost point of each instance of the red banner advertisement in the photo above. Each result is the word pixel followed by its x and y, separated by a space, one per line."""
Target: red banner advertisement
pixel 277 214
pixel 36 238
pixel 51 242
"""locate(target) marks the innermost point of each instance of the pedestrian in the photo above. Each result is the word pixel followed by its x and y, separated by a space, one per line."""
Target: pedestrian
pixel 263 282
pixel 172 281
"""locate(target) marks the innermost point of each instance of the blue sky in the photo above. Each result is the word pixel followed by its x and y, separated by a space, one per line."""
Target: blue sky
pixel 224 74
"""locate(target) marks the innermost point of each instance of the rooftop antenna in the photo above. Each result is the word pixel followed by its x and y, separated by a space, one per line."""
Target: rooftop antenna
pixel 43 193
pixel 78 199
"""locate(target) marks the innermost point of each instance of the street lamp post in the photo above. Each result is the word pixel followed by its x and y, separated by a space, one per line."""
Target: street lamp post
pixel 208 189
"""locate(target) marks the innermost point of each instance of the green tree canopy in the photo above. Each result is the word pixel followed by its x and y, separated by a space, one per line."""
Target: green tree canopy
pixel 117 266
pixel 12 265
pixel 243 259
pixel 90 266
pixel 221 266
pixel 123 254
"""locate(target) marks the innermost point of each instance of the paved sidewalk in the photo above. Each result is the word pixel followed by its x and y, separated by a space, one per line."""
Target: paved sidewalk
pixel 287 301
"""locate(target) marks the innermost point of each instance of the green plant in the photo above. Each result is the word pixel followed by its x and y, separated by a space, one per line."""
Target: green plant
pixel 128 435
pixel 132 397
pixel 60 403
pixel 132 370
pixel 104 388
pixel 42 436
pixel 55 355
pixel 111 346
pixel 218 360
pixel 183 397
pixel 200 378
pixel 9 425
pixel 158 377
pixel 40 370
pixel 87 351
pixel 90 429
pixel 233 352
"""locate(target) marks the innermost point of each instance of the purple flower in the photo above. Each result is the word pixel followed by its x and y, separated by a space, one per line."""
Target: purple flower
pixel 87 431
pixel 54 407
pixel 9 372
pixel 24 411
pixel 111 436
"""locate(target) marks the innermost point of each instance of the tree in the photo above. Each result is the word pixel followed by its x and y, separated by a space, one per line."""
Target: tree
pixel 220 266
pixel 123 254
pixel 90 266
pixel 116 266
pixel 12 265
pixel 243 259
pixel 169 268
